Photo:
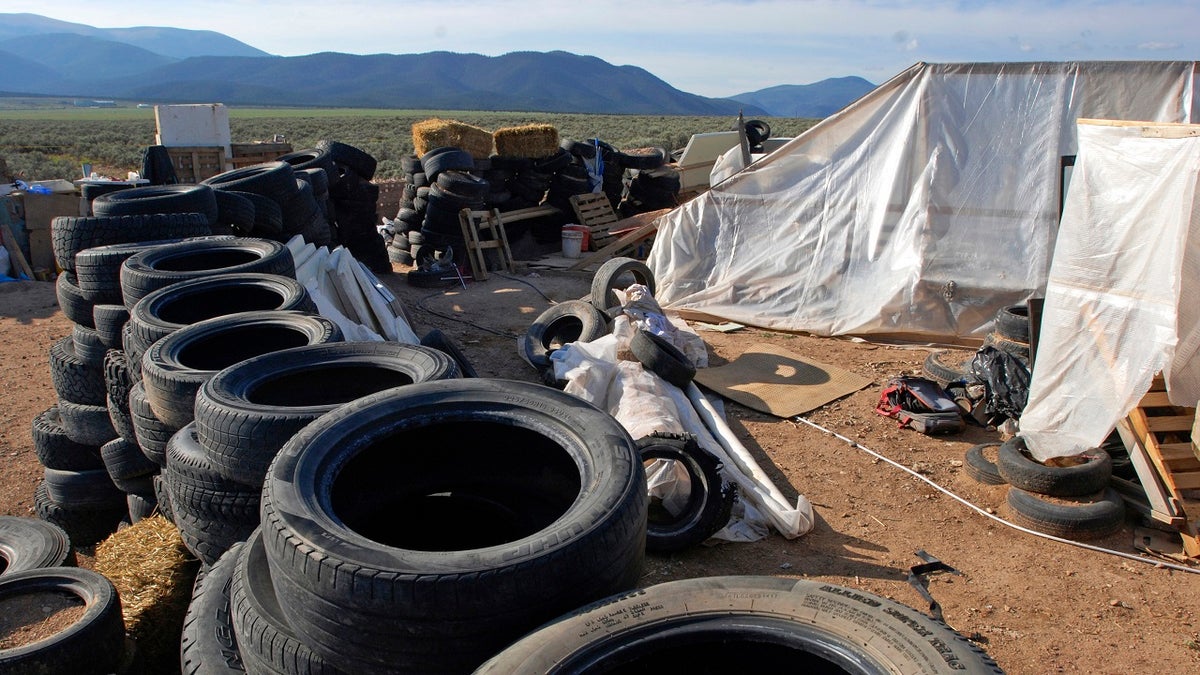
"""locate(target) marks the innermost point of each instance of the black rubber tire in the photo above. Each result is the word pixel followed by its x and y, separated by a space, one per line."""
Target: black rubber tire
pixel 29 543
pixel 266 639
pixel 608 277
pixel 122 420
pixel 98 270
pixel 721 624
pixel 552 163
pixel 84 526
pixel 91 489
pixel 151 433
pixel 318 179
pixel 276 180
pixel 650 158
pixel 170 308
pixel 978 466
pixel 86 424
pixel 566 322
pixel 153 199
pixel 109 321
pixel 118 379
pixel 662 358
pixel 553 465
pixel 74 379
pixel 350 157
pixel 462 183
pixel 309 158
pixel 938 369
pixel 268 217
pixel 212 513
pixel 431 278
pixel 1081 517
pixel 162 498
pixel 95 643
pixel 88 346
pixel 141 505
pixel 442 159
pixel 208 645
pixel 709 504
pixel 1012 322
pixel 125 461
pixel 436 339
pixel 235 210
pixel 175 367
pixel 757 131
pixel 90 191
pixel 55 450
pixel 246 412
pixel 162 266
pixel 71 234
pixel 1024 473
pixel 73 303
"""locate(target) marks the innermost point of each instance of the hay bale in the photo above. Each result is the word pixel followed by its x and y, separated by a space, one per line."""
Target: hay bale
pixel 531 141
pixel 153 574
pixel 439 133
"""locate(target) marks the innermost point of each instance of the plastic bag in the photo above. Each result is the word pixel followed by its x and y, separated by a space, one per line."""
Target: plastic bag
pixel 1006 379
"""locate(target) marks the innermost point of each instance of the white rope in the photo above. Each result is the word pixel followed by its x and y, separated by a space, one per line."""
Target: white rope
pixel 1098 549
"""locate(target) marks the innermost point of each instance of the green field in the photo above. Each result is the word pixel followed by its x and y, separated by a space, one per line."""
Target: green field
pixel 48 138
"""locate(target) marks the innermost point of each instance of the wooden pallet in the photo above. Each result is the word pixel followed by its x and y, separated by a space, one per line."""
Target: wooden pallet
pixel 1163 433
pixel 193 164
pixel 595 213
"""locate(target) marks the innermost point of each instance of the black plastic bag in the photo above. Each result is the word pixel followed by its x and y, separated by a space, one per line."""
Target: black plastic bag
pixel 1006 378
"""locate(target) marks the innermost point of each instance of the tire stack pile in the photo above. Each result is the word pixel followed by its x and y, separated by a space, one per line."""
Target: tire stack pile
pixel 452 188
pixel 38 575
pixel 406 238
pixel 78 493
pixel 337 580
pixel 1069 497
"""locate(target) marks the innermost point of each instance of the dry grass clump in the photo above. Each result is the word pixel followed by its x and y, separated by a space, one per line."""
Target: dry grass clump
pixel 153 574
pixel 439 133
pixel 532 141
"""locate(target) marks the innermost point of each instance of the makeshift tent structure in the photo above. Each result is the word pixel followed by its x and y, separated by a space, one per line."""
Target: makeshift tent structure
pixel 917 211
pixel 1122 297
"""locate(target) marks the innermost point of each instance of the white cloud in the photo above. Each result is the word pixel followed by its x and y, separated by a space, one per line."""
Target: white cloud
pixel 1158 46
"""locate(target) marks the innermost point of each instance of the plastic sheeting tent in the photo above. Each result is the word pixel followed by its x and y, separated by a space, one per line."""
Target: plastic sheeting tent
pixel 1121 300
pixel 917 211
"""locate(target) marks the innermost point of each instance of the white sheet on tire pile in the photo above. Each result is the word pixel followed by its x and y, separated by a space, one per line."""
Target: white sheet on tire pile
pixel 348 294
pixel 645 403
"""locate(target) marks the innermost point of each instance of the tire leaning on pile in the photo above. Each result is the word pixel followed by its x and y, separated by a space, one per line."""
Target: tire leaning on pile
pixel 547 514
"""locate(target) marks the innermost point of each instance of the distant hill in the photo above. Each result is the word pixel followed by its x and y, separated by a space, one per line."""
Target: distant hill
pixel 71 54
pixel 177 43
pixel 820 99
pixel 532 81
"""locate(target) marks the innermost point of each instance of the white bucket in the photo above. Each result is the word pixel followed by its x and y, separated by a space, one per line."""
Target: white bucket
pixel 572 243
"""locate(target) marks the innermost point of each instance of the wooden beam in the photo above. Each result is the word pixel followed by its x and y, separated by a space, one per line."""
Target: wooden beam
pixel 14 252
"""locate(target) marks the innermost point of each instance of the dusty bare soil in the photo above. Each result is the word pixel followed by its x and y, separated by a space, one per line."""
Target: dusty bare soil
pixel 1036 606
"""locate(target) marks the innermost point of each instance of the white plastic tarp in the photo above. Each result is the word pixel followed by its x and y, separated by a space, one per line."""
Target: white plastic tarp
pixel 919 210
pixel 1121 301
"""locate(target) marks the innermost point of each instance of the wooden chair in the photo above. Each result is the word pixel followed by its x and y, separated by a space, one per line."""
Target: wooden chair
pixel 482 231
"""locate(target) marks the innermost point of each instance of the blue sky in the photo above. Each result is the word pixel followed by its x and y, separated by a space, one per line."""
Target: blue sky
pixel 708 47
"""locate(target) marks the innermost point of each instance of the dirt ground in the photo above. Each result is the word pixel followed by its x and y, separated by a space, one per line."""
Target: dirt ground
pixel 1036 606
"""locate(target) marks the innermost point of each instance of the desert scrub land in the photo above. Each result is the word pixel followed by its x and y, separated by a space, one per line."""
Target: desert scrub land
pixel 48 139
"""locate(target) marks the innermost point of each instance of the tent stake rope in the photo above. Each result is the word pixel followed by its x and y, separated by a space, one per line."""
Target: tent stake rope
pixel 982 512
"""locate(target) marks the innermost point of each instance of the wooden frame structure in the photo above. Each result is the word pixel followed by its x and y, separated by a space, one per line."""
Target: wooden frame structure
pixel 482 231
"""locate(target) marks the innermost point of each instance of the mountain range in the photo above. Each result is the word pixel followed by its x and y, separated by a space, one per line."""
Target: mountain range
pixel 46 56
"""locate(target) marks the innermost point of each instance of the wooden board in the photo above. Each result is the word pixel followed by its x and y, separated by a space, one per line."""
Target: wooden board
pixel 1165 432
pixel 193 164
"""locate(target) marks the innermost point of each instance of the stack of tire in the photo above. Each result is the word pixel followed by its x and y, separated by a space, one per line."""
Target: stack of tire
pixel 1070 499
pixel 1010 332
pixel 339 579
pixel 37 573
pixel 651 189
pixel 613 175
pixel 407 239
pixel 283 205
pixel 77 439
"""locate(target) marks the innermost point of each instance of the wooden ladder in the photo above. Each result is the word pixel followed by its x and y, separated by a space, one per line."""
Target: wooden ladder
pixel 1162 445
pixel 481 231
